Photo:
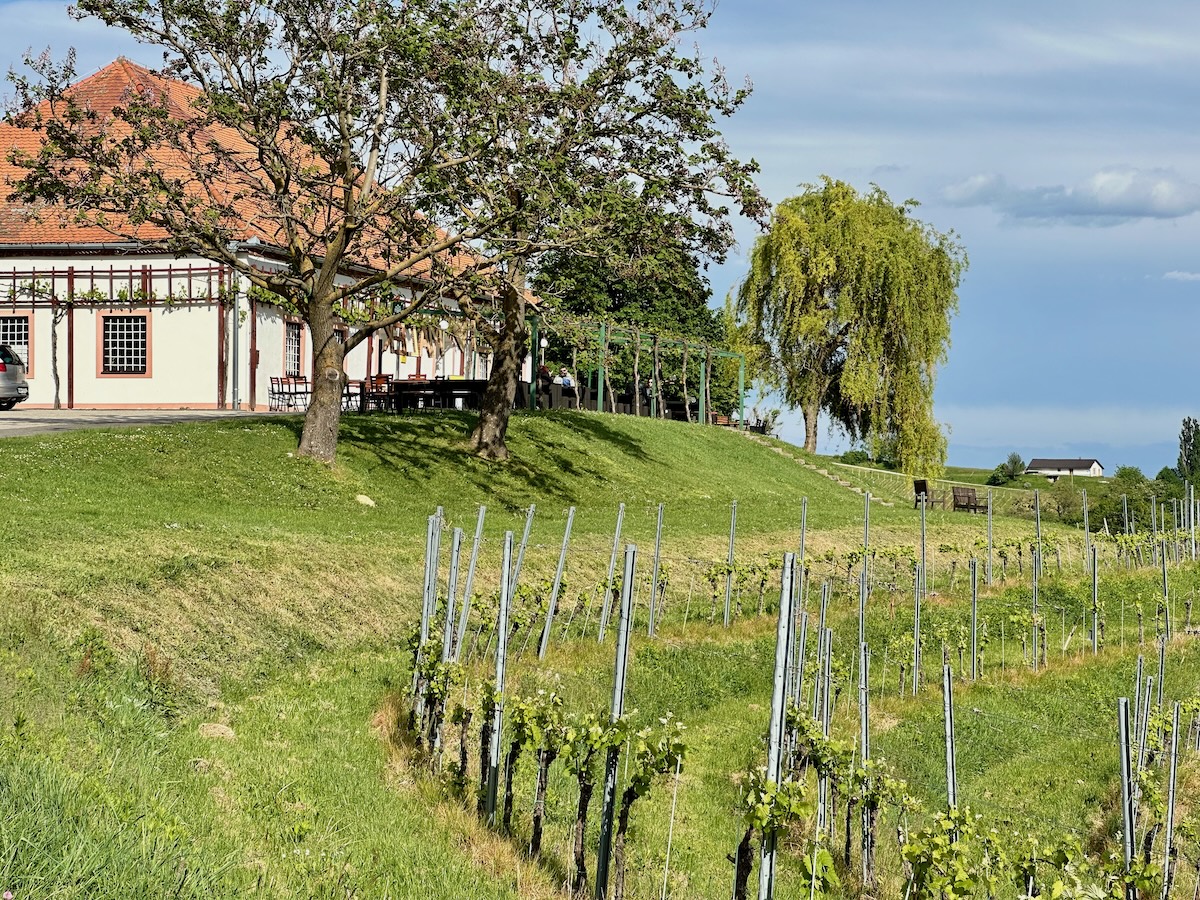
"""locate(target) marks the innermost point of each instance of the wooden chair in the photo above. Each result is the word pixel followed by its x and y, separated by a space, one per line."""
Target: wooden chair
pixel 378 390
pixel 932 497
pixel 966 499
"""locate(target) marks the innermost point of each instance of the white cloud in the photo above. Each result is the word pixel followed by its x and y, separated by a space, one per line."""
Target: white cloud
pixel 1111 196
pixel 1181 276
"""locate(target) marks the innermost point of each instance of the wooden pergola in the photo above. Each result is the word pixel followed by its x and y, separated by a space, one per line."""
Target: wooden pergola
pixel 607 335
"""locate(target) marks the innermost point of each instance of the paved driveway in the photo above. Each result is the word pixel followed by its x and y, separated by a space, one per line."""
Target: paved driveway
pixel 40 421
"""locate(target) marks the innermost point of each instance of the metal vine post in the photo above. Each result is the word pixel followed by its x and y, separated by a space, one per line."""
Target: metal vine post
pixel 604 854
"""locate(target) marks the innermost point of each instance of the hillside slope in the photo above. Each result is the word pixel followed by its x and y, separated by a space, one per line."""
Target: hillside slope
pixel 202 660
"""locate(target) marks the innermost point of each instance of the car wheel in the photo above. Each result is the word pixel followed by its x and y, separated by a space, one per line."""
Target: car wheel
pixel 6 405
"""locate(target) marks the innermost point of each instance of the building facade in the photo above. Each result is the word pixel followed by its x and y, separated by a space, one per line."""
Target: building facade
pixel 1056 468
pixel 101 329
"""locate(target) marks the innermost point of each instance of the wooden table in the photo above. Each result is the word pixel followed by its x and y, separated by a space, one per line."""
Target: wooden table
pixel 421 394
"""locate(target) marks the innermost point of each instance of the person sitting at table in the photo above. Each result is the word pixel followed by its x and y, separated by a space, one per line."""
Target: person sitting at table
pixel 568 386
pixel 544 380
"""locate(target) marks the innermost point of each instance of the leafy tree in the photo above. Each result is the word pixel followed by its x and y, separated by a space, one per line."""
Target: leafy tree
pixel 854 297
pixel 650 281
pixel 1009 470
pixel 650 278
pixel 392 153
pixel 1129 476
pixel 1189 449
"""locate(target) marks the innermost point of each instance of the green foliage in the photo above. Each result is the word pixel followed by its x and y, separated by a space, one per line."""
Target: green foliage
pixel 1009 470
pixel 771 807
pixel 586 737
pixel 854 298
pixel 1188 466
pixel 516 139
pixel 650 279
pixel 818 872
pixel 654 751
pixel 950 858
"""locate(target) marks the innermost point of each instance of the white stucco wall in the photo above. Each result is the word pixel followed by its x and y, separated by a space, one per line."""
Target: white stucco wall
pixel 184 335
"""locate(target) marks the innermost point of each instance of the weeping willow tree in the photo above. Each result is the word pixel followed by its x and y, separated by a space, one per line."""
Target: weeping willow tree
pixel 852 298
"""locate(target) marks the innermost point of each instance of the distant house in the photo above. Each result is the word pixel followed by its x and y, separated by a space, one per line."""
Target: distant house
pixel 1053 468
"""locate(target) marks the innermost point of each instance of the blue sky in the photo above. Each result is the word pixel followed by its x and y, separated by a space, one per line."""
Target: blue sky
pixel 1058 139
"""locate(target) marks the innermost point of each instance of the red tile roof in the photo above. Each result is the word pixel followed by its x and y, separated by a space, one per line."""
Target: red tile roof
pixel 34 225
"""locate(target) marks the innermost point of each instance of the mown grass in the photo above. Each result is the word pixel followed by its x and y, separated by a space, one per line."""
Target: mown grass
pixel 200 654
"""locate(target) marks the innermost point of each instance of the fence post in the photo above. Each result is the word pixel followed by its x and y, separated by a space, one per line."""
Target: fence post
pixel 558 574
pixel 1037 516
pixel 989 539
pixel 466 600
pixel 606 606
pixel 948 717
pixel 924 570
pixel 501 660
pixel 451 593
pixel 1192 516
pixel 1087 534
pixel 1035 568
pixel 864 575
pixel 974 619
pixel 1168 867
pixel 916 672
pixel 516 572
pixel 428 599
pixel 654 573
pixel 1126 792
pixel 618 709
pixel 766 868
pixel 729 562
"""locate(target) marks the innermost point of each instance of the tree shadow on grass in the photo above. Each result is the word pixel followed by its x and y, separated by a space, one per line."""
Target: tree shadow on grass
pixel 593 427
pixel 424 446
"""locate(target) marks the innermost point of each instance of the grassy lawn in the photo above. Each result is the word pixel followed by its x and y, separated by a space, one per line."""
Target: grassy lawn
pixel 202 663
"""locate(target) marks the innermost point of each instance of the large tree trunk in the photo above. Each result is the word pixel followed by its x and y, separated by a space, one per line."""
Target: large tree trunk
pixel 810 409
pixel 320 436
pixel 507 354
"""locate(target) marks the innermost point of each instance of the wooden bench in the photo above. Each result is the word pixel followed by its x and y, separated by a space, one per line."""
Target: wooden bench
pixel 964 498
pixel 932 497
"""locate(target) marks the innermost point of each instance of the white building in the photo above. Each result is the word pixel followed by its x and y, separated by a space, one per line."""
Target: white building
pixel 125 327
pixel 142 331
pixel 1055 468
